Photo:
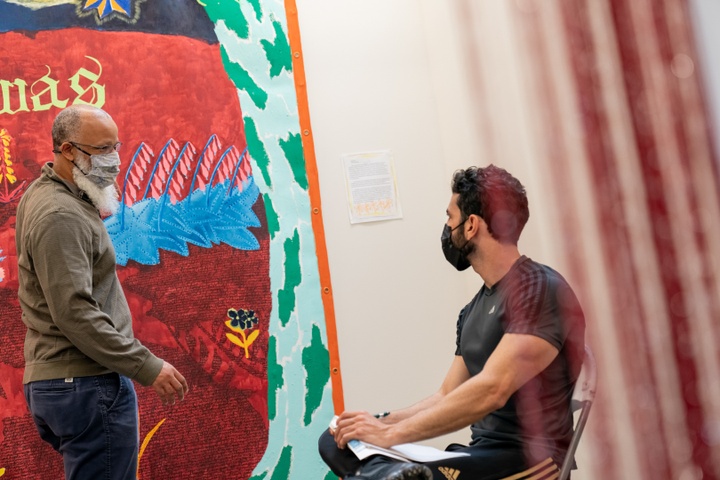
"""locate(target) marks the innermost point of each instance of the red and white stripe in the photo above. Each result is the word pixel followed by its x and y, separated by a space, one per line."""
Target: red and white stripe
pixel 614 136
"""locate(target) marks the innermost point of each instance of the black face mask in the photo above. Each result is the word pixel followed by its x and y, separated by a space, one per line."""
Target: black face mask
pixel 456 256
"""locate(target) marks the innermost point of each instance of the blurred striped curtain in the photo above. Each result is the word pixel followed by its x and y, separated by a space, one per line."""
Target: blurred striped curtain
pixel 603 99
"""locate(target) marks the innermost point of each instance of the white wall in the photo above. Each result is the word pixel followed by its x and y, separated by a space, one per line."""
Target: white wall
pixel 372 86
pixel 706 14
pixel 390 75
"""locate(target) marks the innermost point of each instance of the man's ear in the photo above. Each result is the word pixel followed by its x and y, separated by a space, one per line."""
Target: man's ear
pixel 476 225
pixel 66 150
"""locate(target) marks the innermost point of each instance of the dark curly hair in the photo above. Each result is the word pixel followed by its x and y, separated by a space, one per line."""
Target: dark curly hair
pixel 497 197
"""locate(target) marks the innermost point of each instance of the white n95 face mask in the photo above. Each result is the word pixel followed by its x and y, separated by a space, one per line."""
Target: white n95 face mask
pixel 104 169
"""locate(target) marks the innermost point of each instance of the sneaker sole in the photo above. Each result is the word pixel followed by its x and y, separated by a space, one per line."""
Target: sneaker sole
pixel 416 472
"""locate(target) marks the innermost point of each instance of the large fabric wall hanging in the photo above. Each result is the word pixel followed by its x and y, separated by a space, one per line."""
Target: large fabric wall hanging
pixel 219 237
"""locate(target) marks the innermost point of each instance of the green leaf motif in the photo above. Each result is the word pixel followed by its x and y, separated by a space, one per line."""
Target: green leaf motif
pixel 293 150
pixel 272 218
pixel 278 53
pixel 230 13
pixel 282 471
pixel 243 81
pixel 316 360
pixel 255 4
pixel 293 275
pixel 275 377
pixel 257 149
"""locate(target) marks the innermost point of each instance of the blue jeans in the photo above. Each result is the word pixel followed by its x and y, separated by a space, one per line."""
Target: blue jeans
pixel 91 421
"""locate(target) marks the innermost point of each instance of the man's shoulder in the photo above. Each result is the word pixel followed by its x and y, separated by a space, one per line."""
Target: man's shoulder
pixel 51 194
pixel 530 273
pixel 534 284
pixel 45 199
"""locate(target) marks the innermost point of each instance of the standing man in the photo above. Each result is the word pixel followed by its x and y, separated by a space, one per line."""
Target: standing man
pixel 80 352
pixel 519 349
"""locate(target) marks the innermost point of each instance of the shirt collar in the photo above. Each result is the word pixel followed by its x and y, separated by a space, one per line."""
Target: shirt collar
pixel 490 290
pixel 48 171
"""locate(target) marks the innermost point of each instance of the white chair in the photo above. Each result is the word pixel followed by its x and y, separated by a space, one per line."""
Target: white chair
pixel 582 400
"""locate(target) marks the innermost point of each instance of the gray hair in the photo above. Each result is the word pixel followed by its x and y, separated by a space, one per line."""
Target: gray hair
pixel 68 122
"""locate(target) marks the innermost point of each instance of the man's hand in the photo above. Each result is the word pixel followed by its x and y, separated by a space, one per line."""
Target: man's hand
pixel 170 383
pixel 362 426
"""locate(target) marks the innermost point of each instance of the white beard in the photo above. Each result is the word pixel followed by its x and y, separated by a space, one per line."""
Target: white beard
pixel 106 200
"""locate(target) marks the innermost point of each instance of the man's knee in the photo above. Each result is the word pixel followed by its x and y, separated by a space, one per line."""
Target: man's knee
pixel 327 446
pixel 341 461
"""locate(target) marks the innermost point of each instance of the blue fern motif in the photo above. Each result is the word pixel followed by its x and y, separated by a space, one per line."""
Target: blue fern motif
pixel 218 212
pixel 204 218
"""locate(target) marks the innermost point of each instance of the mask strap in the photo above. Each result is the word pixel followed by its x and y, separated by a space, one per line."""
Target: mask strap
pixel 459 225
pixel 76 166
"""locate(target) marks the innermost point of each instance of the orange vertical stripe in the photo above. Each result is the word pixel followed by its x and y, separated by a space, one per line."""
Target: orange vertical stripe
pixel 315 204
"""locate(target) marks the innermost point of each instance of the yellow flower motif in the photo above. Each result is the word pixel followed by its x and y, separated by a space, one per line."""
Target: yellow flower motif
pixel 246 341
pixel 9 174
pixel 242 322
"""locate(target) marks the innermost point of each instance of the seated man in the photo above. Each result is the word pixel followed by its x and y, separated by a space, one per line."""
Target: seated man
pixel 520 344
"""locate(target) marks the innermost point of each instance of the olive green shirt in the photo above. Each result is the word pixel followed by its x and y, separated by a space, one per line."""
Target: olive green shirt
pixel 78 320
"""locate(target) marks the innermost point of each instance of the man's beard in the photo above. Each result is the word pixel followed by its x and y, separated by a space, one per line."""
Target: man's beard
pixel 467 249
pixel 106 200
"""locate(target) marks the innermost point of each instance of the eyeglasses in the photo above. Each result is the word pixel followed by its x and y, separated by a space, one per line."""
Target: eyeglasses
pixel 104 149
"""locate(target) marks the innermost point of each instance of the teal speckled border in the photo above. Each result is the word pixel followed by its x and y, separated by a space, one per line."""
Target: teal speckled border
pixel 256 54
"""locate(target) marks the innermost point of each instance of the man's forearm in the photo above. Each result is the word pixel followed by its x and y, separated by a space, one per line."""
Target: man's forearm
pixel 448 414
pixel 434 416
pixel 517 359
pixel 396 416
pixel 456 376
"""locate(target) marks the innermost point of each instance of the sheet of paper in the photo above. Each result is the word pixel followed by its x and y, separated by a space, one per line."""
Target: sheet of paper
pixel 404 452
pixel 371 187
pixel 364 450
pixel 423 453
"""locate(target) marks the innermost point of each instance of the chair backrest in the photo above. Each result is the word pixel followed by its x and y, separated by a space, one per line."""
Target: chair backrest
pixel 582 400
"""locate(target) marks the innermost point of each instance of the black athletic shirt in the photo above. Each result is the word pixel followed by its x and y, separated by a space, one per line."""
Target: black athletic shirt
pixel 530 299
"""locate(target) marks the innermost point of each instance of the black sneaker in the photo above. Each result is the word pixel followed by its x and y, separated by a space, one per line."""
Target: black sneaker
pixel 383 468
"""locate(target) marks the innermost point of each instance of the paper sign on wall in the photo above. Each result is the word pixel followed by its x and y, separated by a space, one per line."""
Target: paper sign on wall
pixel 371 186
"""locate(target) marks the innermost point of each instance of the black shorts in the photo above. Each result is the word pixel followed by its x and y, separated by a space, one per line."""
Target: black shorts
pixel 487 460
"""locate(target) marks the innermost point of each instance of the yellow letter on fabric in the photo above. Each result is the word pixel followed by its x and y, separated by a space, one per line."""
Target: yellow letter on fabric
pixel 7 98
pixel 97 91
pixel 51 90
